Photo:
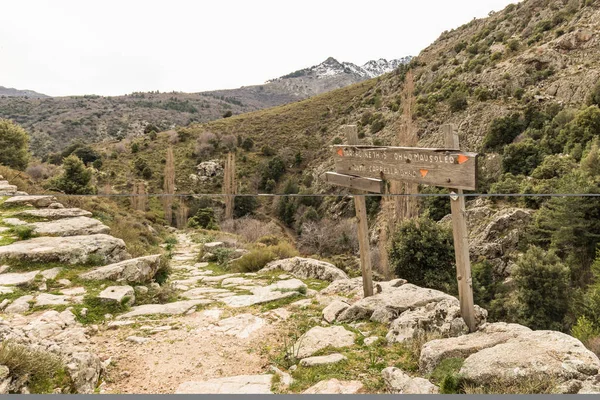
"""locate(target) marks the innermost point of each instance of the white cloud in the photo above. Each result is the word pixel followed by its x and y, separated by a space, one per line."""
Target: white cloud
pixel 109 47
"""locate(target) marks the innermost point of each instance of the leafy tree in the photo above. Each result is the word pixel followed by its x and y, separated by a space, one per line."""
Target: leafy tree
pixel 435 207
pixel 14 145
pixel 248 144
pixel 594 98
pixel 244 205
pixel 582 129
pixel 522 158
pixel 75 179
pixel 204 218
pixel 542 289
pixel 272 171
pixel 86 154
pixel 422 253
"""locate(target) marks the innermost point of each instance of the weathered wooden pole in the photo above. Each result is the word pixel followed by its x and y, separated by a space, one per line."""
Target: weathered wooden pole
pixel 229 185
pixel 363 227
pixel 461 242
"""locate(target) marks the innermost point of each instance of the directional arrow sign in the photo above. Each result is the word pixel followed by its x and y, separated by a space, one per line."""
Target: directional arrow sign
pixel 434 167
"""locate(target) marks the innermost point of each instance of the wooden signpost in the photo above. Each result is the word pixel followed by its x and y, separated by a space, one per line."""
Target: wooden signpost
pixel 367 168
pixel 229 185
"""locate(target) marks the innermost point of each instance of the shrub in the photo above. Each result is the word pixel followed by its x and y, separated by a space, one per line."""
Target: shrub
pixel 522 158
pixel 327 237
pixel 23 232
pixel 251 229
pixel 507 184
pixel 164 270
pixel 554 166
pixel 227 114
pixel 75 179
pixel 458 101
pixel 43 371
pixel 244 205
pixel 273 170
pixel 594 97
pixel 253 261
pixel 267 151
pixel 135 148
pixel 503 131
pixel 204 218
pixel 422 253
pixel 542 289
pixel 283 250
pixel 14 145
pixel 248 144
pixel 585 330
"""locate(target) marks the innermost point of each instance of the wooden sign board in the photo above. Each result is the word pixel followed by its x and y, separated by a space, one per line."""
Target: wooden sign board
pixel 355 182
pixel 434 167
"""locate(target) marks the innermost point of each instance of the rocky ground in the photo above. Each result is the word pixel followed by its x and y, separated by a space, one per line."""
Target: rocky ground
pixel 96 320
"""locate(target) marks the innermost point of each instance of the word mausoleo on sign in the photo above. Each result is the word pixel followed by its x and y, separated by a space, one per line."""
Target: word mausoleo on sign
pixel 434 167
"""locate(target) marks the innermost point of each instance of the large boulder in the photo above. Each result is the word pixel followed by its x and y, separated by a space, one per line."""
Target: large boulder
pixel 393 302
pixel 307 268
pixel 69 250
pixel 397 382
pixel 347 287
pixel 209 169
pixel 331 312
pixel 70 227
pixel 553 355
pixel 136 270
pixel 489 335
pixel 443 318
pixel 318 338
pixel 118 295
pixel 36 201
pixel 58 213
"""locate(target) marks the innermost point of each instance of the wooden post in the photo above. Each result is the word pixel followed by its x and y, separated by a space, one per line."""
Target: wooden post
pixel 461 243
pixel 363 228
pixel 229 185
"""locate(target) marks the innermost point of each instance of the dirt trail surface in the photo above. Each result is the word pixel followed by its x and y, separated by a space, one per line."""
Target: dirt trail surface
pixel 156 354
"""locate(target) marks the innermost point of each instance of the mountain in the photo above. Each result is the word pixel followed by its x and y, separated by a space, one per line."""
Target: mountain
pixel 11 92
pixel 54 122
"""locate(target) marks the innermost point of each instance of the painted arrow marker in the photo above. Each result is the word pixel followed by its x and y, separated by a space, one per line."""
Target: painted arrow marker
pixel 424 172
pixel 340 152
pixel 462 159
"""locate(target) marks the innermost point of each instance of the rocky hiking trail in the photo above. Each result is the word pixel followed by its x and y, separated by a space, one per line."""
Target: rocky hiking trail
pixel 92 319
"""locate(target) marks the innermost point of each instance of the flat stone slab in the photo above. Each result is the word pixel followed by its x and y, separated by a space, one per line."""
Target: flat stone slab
pixel 14 221
pixel 203 292
pixel 318 338
pixel 139 270
pixel 118 295
pixel 334 309
pixel 265 294
pixel 335 386
pixel 176 308
pixel 18 278
pixel 20 305
pixel 51 273
pixel 6 290
pixel 69 249
pixel 242 384
pixel 323 360
pixel 240 326
pixel 70 227
pixel 36 201
pixel 57 213
pixel 46 299
pixel 73 291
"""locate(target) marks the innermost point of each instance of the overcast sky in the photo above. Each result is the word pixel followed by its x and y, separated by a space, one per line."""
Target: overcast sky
pixel 112 47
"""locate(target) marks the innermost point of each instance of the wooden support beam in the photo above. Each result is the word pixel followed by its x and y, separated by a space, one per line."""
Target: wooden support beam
pixel 229 186
pixel 355 182
pixel 461 244
pixel 363 229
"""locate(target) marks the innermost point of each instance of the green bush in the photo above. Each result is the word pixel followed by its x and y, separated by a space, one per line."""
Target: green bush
pixel 554 166
pixel 272 170
pixel 585 330
pixel 508 184
pixel 594 97
pixel 458 101
pixel 75 179
pixel 435 207
pixel 14 145
pixel 244 205
pixel 503 131
pixel 267 151
pixel 422 253
pixel 248 144
pixel 254 261
pixel 542 289
pixel 204 218
pixel 522 158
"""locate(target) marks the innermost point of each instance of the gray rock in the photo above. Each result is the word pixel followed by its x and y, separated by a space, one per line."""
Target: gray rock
pixel 212 246
pixel 489 335
pixel 118 294
pixel 36 201
pixel 4 303
pixel 46 299
pixel 176 308
pixel 18 278
pixel 318 338
pixel 141 289
pixel 4 371
pixel 53 214
pixel 14 222
pixel 6 290
pixel 70 227
pixel 323 360
pixel 70 250
pixel 51 273
pixel 64 282
pixel 243 384
pixel 76 291
pixel 334 309
pixel 209 169
pixel 84 368
pixel 443 317
pixel 400 299
pixel 240 326
pixel 590 386
pixel 137 339
pixel 335 386
pixel 346 287
pixel 370 340
pixel 307 268
pixel 397 382
pixel 20 305
pixel 203 292
pixel 266 294
pixel 531 354
pixel 136 270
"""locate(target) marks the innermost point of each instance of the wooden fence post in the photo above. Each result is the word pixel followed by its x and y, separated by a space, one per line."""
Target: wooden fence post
pixel 362 221
pixel 461 243
pixel 229 186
